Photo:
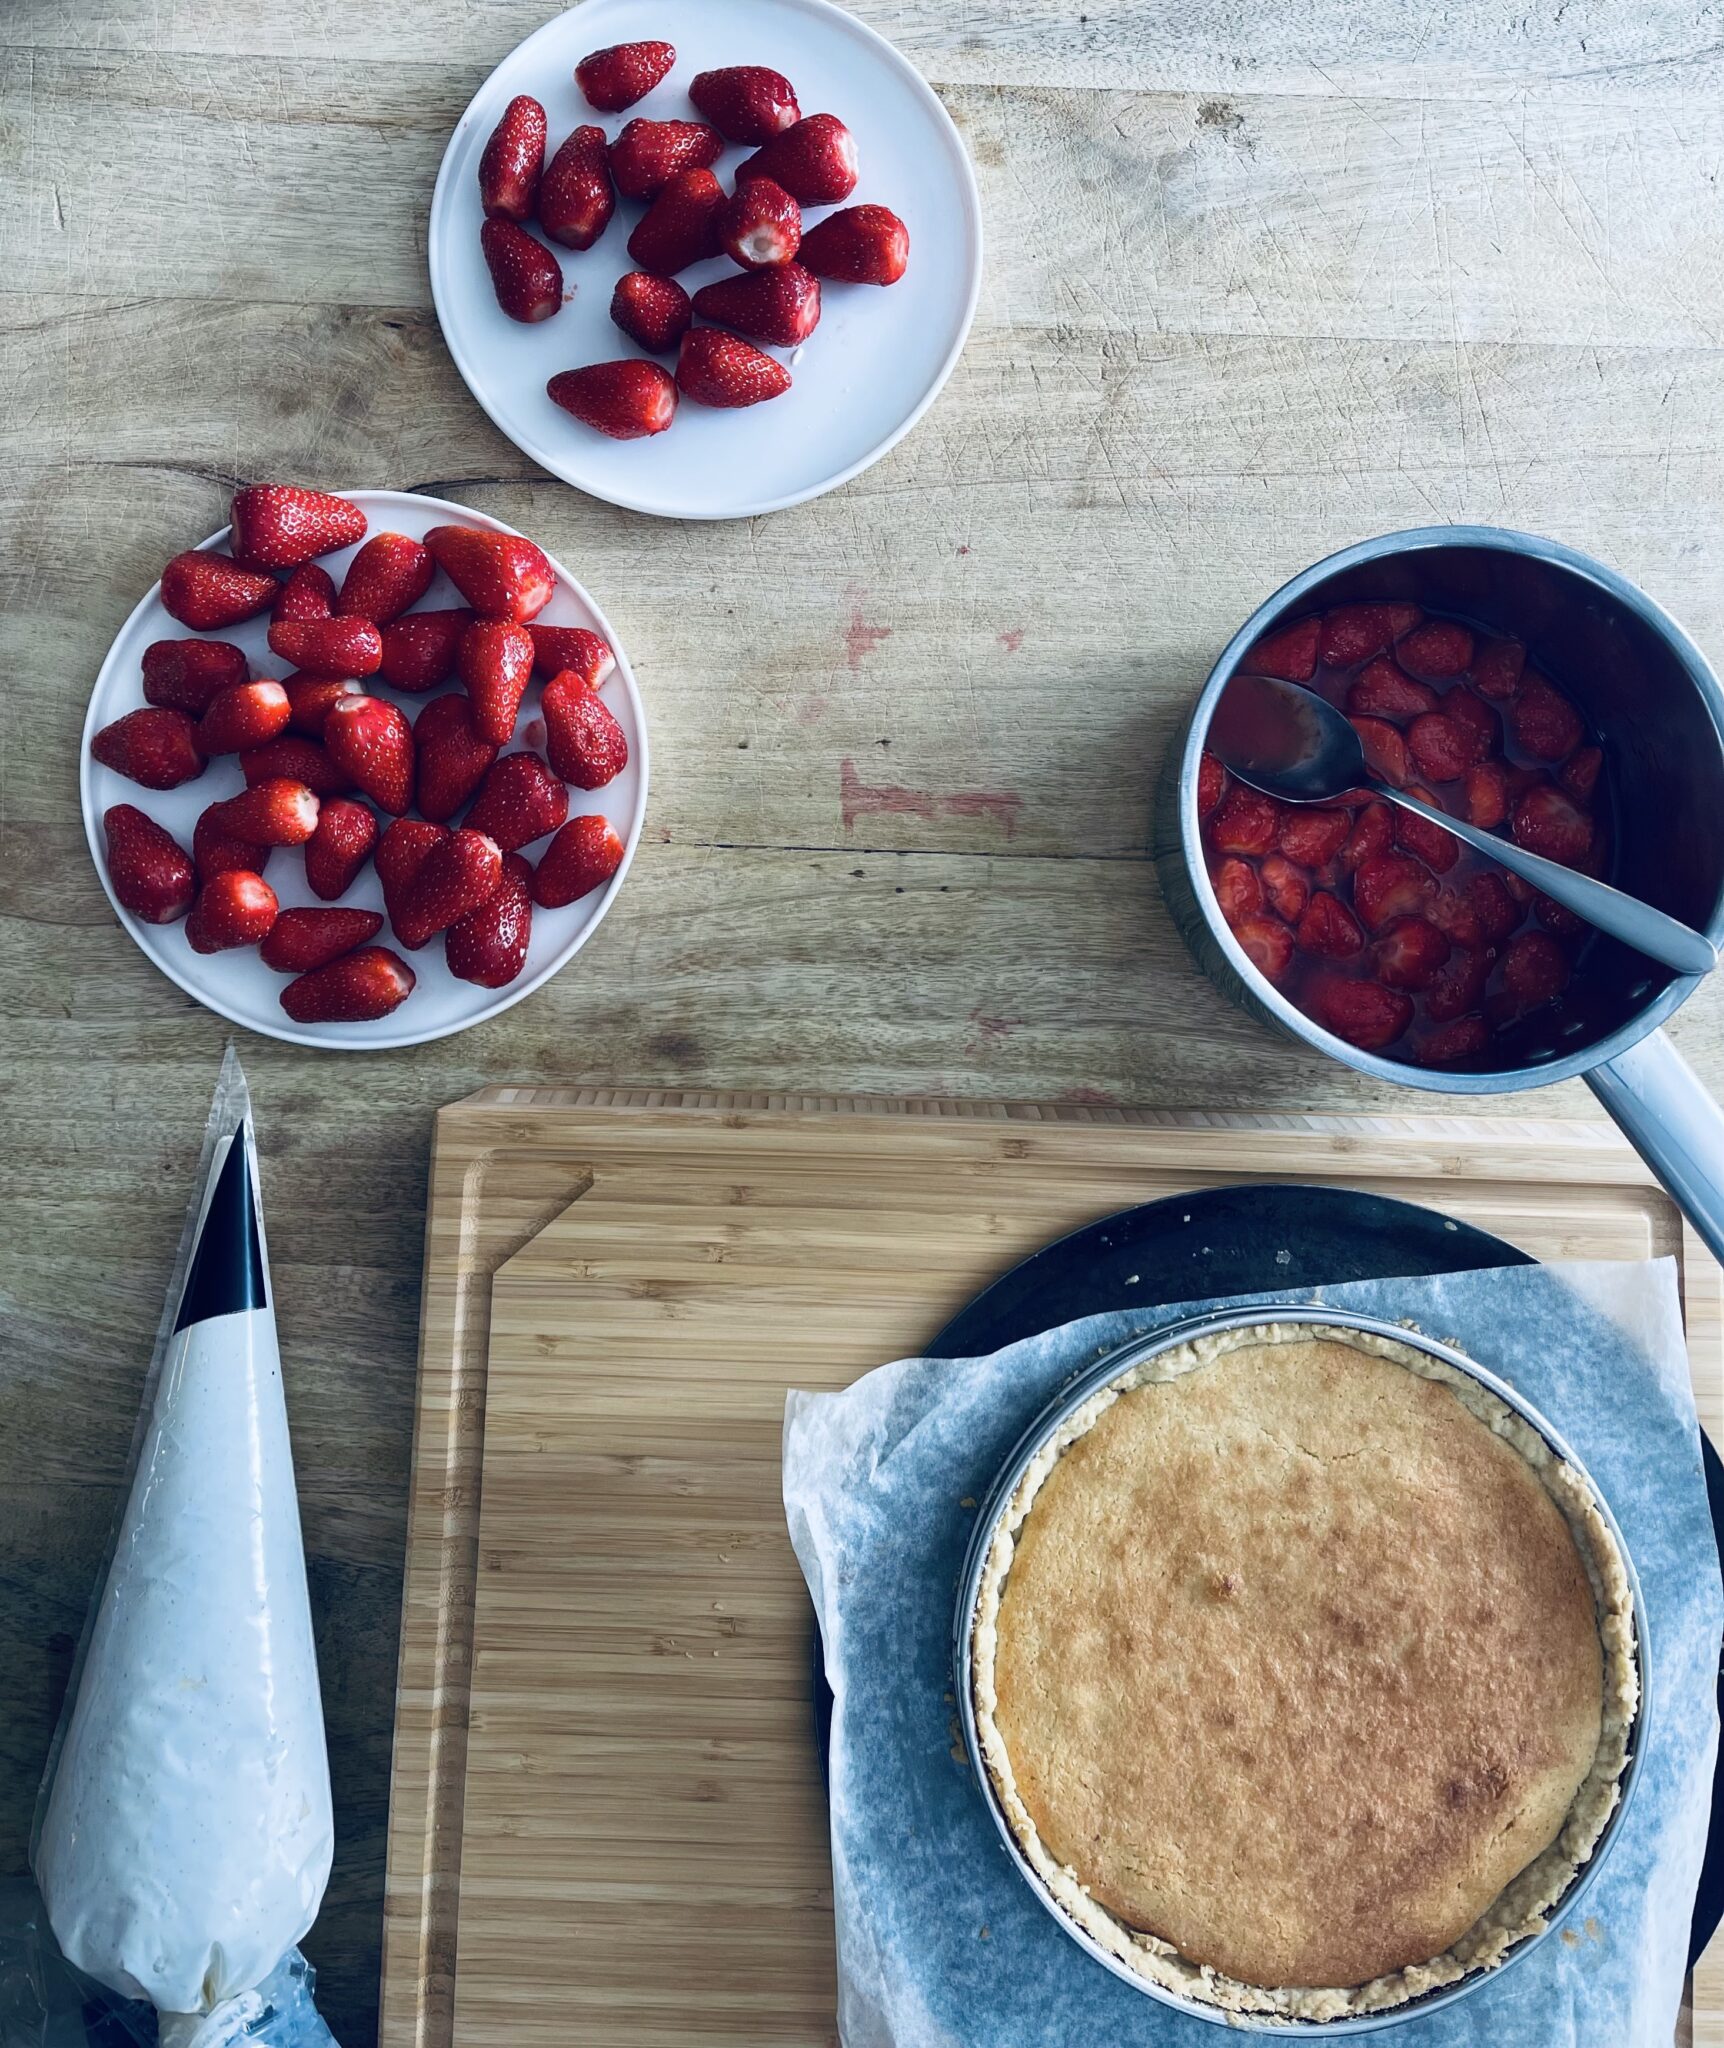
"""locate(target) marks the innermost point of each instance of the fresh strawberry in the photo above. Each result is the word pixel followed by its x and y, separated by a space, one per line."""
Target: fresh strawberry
pixel 724 370
pixel 401 853
pixel 576 200
pixel 186 675
pixel 1385 690
pixel 501 575
pixel 148 868
pixel 1211 780
pixel 1436 650
pixel 1290 652
pixel 648 154
pixel 1385 750
pixel 1409 953
pixel 1459 985
pixel 495 664
pixel 235 908
pixel 1547 820
pixel 680 226
pixel 815 161
pixel 209 592
pixel 489 945
pixel 1286 887
pixel 1237 888
pixel 616 77
pixel 388 576
pixel 157 747
pixel 1247 822
pixel 329 647
pixel 520 802
pixel 1439 850
pixel 526 277
pixel 1354 632
pixel 453 758
pixel 1487 795
pixel 1312 837
pixel 419 650
pixel 279 812
pixel 1391 885
pixel 304 940
pixel 1579 774
pixel 556 648
pixel 296 759
pixel 781 306
pixel 215 851
pixel 746 102
pixel 583 857
pixel 456 876
pixel 309 593
pixel 513 158
pixel 278 526
pixel 1480 727
pixel 1364 1013
pixel 247 715
pixel 1373 833
pixel 1329 929
pixel 1497 669
pixel 1267 944
pixel 1534 969
pixel 585 743
pixel 1496 910
pixel 760 225
pixel 859 245
pixel 342 844
pixel 357 989
pixel 310 698
pixel 1546 725
pixel 1450 1042
pixel 372 744
pixel 653 311
pixel 627 399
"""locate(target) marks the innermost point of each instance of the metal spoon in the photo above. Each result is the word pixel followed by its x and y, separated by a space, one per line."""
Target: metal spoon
pixel 1292 744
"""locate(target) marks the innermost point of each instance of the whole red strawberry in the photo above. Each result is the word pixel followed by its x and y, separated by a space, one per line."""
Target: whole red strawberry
pixel 526 277
pixel 340 847
pixel 148 868
pixel 388 576
pixel 680 226
pixel 296 759
pixel 235 908
pixel 585 743
pixel 521 801
pixel 208 592
pixel 815 161
pixel 723 370
pixel 627 400
pixel 781 305
pixel 359 988
pixel 653 311
pixel 616 77
pixel 279 812
pixel 328 647
pixel 648 154
pixel 576 199
pixel 157 747
pixel 859 245
pixel 419 650
pixel 309 699
pixel 187 675
pixel 309 593
pixel 215 851
pixel 501 575
pixel 584 856
pixel 746 102
pixel 489 945
pixel 247 715
pixel 761 225
pixel 456 876
pixel 278 526
pixel 303 940
pixel 495 664
pixel 513 157
pixel 372 744
pixel 401 853
pixel 452 756
pixel 556 648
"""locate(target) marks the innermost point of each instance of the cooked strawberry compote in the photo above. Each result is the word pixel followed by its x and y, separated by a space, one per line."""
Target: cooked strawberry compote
pixel 1383 928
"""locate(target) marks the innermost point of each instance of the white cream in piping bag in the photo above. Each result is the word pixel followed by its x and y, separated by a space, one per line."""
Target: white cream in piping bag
pixel 187 1835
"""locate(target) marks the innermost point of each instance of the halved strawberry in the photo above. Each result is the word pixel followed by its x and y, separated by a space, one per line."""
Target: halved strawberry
pixel 247 715
pixel 1479 725
pixel 583 857
pixel 781 306
pixel 1546 725
pixel 1211 780
pixel 388 576
pixel 309 593
pixel 1547 820
pixel 215 851
pixel 489 945
pixel 1452 913
pixel 1312 836
pixel 343 842
pixel 654 311
pixel 1385 750
pixel 815 161
pixel 521 801
pixel 1267 944
pixel 857 245
pixel 185 675
pixel 746 102
pixel 305 939
pixel 724 370
pixel 681 225
pixel 1437 650
pixel 1535 969
pixel 526 277
pixel 627 399
pixel 147 866
pixel 1463 1039
pixel 235 908
pixel 401 853
pixel 495 664
pixel 513 158
pixel 359 988
pixel 1286 887
pixel 157 747
pixel 1391 885
pixel 1496 910
pixel 207 591
pixel 576 198
pixel 1329 929
pixel 1579 774
pixel 453 758
pixel 309 699
pixel 328 647
pixel 1409 954
pixel 620 74
pixel 648 154
pixel 1440 747
pixel 419 650
pixel 1237 889
pixel 1487 795
pixel 1354 632
pixel 456 876
pixel 293 758
pixel 1497 668
pixel 1385 690
pixel 1439 850
pixel 501 575
pixel 585 744
pixel 1364 1013
pixel 1290 652
pixel 372 744
pixel 1459 984
pixel 278 812
pixel 1246 822
pixel 760 225
pixel 278 526
pixel 1373 833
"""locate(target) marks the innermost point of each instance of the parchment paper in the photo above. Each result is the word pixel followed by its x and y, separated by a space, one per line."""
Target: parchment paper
pixel 941 1943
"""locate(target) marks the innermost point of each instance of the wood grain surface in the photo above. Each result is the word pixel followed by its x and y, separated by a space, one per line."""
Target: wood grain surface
pixel 1258 285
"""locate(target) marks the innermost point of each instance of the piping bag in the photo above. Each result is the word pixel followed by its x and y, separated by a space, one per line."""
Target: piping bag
pixel 184 1833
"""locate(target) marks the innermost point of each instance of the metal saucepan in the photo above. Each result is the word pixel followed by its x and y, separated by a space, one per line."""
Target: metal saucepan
pixel 1658 711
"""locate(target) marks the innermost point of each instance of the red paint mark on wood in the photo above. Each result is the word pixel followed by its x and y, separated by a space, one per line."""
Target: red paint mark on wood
pixel 859 799
pixel 1088 1098
pixel 1012 639
pixel 812 709
pixel 861 639
pixel 963 551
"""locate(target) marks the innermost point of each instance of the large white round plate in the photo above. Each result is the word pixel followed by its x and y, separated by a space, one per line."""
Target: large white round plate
pixel 237 985
pixel 863 378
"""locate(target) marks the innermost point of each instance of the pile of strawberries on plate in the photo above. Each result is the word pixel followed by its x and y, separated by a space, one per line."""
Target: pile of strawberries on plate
pixel 322 755
pixel 799 161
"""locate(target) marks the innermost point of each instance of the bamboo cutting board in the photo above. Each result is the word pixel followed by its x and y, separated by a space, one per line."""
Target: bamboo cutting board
pixel 607 1822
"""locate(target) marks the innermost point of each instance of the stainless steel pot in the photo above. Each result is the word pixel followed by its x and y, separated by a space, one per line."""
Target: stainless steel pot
pixel 1659 711
pixel 1065 1403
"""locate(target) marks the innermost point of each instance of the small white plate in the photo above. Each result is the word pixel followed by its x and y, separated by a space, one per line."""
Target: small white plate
pixel 237 985
pixel 863 378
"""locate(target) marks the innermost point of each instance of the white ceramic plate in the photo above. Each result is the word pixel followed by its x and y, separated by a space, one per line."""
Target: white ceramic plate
pixel 863 378
pixel 237 985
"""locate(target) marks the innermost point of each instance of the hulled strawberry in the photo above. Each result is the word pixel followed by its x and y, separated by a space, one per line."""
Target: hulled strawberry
pixel 585 743
pixel 156 747
pixel 628 399
pixel 617 76
pixel 781 305
pixel 371 743
pixel 149 870
pixel 489 945
pixel 328 647
pixel 513 158
pixel 309 699
pixel 452 756
pixel 746 102
pixel 186 675
pixel 654 311
pixel 521 801
pixel 419 650
pixel 720 369
pixel 815 161
pixel 456 876
pixel 387 577
pixel 215 851
pixel 859 245
pixel 501 575
pixel 278 812
pixel 357 989
pixel 526 277
pixel 209 592
pixel 303 940
pixel 583 857
pixel 309 593
pixel 343 842
pixel 247 715
pixel 556 648
pixel 235 908
pixel 681 225
pixel 576 199
pixel 761 225
pixel 278 526
pixel 296 759
pixel 648 154
pixel 495 664
pixel 401 853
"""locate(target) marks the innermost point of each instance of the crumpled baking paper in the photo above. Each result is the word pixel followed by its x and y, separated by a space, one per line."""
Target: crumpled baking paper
pixel 942 1944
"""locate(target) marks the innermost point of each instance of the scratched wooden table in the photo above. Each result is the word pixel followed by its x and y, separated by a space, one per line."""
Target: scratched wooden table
pixel 1245 303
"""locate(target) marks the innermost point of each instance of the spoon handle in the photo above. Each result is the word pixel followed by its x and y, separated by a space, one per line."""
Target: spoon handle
pixel 1635 923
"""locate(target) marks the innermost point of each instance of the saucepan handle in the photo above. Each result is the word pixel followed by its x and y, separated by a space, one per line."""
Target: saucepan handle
pixel 1667 1114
